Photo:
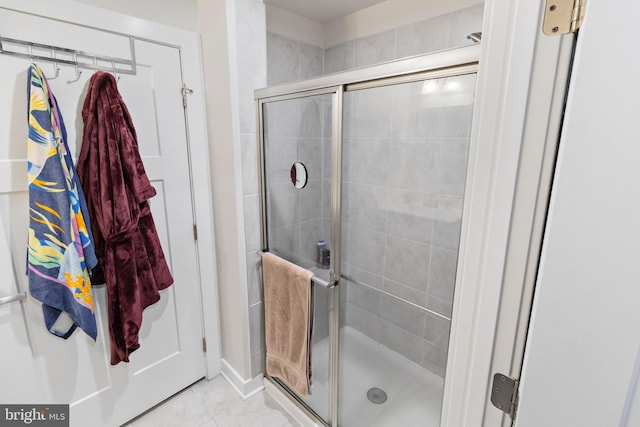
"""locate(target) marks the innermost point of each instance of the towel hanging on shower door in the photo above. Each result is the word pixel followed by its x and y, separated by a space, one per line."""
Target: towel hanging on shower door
pixel 60 250
pixel 288 305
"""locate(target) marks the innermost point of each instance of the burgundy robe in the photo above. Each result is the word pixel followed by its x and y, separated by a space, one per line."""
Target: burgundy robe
pixel 130 258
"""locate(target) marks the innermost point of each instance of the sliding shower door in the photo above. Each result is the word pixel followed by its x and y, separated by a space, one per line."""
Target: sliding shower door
pixel 297 210
pixel 363 177
pixel 405 150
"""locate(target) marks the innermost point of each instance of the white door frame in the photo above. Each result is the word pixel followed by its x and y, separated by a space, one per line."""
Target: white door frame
pixel 514 130
pixel 189 45
pixel 581 363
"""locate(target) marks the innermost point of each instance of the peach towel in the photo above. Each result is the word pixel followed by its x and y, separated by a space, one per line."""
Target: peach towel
pixel 288 322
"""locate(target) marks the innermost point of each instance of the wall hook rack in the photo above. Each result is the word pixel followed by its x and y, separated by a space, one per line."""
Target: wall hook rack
pixel 69 57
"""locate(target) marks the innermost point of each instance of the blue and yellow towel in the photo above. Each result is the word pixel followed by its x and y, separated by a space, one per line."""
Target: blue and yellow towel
pixel 60 251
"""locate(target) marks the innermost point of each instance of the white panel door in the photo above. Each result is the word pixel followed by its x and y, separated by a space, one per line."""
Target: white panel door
pixel 35 366
pixel 581 363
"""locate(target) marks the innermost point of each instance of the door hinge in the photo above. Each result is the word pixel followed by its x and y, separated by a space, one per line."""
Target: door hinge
pixel 185 91
pixel 204 345
pixel 504 394
pixel 562 16
pixel 195 232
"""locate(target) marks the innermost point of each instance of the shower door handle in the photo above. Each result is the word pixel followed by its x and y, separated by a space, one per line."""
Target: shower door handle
pixel 13 298
pixel 323 283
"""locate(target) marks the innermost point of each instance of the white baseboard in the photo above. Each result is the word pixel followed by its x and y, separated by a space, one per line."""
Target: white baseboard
pixel 298 414
pixel 245 388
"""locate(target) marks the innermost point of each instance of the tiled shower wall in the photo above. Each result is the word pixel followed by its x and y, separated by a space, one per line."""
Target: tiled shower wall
pixel 442 32
pixel 293 133
pixel 403 182
pixel 417 335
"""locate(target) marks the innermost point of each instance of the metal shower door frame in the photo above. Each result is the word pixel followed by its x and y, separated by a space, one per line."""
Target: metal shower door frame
pixel 440 64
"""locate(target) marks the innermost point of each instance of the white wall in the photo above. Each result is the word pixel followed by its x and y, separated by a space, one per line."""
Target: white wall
pixel 181 14
pixel 234 52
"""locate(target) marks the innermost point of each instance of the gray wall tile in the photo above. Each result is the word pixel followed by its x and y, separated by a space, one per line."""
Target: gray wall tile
pixel 282 118
pixel 321 298
pixel 311 117
pixel 311 201
pixel 434 358
pixel 282 59
pixel 281 153
pixel 283 205
pixel 410 294
pixel 254 273
pixel 442 274
pixel 376 48
pixel 327 118
pixel 422 37
pixel 256 320
pixel 311 61
pixel 249 79
pixel 252 222
pixel 364 321
pixel 326 199
pixel 404 316
pixel 250 37
pixel 414 166
pixel 401 341
pixel 368 206
pixel 411 214
pixel 257 363
pixel 286 241
pixel 446 230
pixel 339 57
pixel 464 22
pixel 310 153
pixel 366 276
pixel 327 160
pixel 452 170
pixel 365 298
pixel 368 161
pixel 436 330
pixel 310 233
pixel 366 249
pixel 249 147
pixel 456 121
pixel 345 243
pixel 410 118
pixel 371 112
pixel 407 262
pixel 439 305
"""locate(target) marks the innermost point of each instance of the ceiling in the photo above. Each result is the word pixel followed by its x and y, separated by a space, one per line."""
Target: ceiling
pixel 322 11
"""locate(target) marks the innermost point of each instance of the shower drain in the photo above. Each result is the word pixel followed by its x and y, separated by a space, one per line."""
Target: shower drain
pixel 376 395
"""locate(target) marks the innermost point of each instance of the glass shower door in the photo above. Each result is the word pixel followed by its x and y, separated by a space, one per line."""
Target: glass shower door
pixel 405 150
pixel 297 134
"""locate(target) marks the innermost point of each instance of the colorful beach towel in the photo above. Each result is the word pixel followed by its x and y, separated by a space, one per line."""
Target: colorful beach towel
pixel 60 249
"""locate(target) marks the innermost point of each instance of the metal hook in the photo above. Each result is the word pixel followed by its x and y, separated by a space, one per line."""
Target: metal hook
pixel 30 49
pixel 78 72
pixel 115 73
pixel 55 65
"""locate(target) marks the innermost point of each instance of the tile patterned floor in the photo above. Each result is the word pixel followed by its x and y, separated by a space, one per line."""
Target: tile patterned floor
pixel 215 404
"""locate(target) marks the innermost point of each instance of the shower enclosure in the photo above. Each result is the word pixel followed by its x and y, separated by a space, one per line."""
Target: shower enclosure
pixel 366 169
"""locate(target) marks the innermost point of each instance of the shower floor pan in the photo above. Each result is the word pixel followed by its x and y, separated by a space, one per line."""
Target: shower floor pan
pixel 414 395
